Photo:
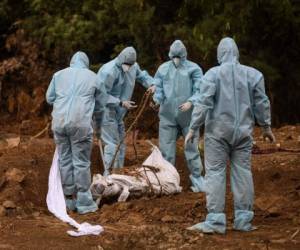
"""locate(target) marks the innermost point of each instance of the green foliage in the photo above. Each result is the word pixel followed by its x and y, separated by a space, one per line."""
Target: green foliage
pixel 267 33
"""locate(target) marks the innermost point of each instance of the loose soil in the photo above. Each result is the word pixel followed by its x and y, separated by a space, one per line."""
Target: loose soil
pixel 150 222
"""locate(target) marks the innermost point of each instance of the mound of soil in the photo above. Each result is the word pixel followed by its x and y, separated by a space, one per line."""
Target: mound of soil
pixel 150 222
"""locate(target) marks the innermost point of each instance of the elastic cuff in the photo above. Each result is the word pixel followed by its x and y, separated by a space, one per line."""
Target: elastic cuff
pixel 197 183
pixel 191 101
pixel 243 220
pixel 69 190
pixel 216 222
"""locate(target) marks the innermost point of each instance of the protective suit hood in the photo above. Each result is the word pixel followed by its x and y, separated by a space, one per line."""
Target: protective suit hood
pixel 227 51
pixel 127 55
pixel 80 60
pixel 178 49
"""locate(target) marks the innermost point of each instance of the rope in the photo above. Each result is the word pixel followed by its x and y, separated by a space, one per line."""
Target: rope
pixel 134 136
pixel 153 170
pixel 148 181
pixel 140 110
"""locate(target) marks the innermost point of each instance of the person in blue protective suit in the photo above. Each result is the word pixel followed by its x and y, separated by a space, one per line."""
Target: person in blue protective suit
pixel 232 98
pixel 119 76
pixel 76 95
pixel 177 86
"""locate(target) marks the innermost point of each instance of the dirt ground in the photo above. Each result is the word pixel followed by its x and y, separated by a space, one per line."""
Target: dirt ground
pixel 147 223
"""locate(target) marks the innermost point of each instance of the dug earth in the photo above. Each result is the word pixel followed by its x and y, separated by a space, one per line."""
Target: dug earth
pixel 149 222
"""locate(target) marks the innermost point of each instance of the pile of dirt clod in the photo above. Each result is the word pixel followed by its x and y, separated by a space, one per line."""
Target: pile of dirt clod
pixel 24 173
pixel 149 222
pixel 25 168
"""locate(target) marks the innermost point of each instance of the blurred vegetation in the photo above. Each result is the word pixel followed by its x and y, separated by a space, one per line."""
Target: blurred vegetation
pixel 267 33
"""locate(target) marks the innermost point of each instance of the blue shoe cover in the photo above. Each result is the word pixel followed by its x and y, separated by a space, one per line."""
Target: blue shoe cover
pixel 70 204
pixel 242 221
pixel 85 203
pixel 214 223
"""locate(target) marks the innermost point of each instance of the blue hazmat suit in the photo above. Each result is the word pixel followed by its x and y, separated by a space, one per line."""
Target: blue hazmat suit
pixel 232 97
pixel 176 85
pixel 119 87
pixel 76 95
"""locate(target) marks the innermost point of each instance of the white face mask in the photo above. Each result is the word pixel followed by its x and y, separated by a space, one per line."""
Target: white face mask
pixel 125 67
pixel 176 61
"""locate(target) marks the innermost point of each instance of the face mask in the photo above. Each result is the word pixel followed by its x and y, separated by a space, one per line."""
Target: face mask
pixel 176 61
pixel 125 67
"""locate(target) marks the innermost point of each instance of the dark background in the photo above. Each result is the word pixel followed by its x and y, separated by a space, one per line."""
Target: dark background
pixel 38 38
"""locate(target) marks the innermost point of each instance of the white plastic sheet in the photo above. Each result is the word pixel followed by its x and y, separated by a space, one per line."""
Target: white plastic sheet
pixel 167 174
pixel 163 179
pixel 57 205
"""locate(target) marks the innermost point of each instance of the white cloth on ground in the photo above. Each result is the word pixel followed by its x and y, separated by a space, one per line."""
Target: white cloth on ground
pixel 162 178
pixel 57 205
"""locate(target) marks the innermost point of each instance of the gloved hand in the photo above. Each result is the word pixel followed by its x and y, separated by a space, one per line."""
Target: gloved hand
pixel 154 106
pixel 189 137
pixel 151 89
pixel 185 106
pixel 128 105
pixel 267 133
